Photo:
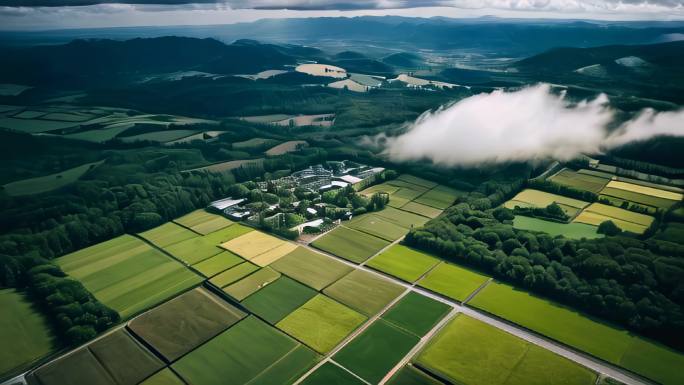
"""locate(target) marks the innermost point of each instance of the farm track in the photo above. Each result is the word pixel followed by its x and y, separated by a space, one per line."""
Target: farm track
pixel 584 359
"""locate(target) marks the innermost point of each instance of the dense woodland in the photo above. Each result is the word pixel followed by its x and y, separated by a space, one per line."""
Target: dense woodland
pixel 633 282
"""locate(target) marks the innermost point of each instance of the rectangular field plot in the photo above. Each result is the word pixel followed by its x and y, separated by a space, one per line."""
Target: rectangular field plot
pixel 203 222
pixel 183 323
pixel 580 181
pixel 383 187
pixel 440 197
pixel 405 194
pixel 260 248
pixel 168 234
pixel 364 291
pixel 536 198
pixel 571 230
pixel 116 359
pixel 218 263
pixel 416 313
pixel 468 351
pixel 321 323
pixel 410 375
pixel 278 299
pixel 163 377
pixel 421 209
pixel 233 274
pixel 639 194
pixel 626 220
pixel 377 226
pixel 127 274
pixel 452 281
pixel 251 283
pixel 350 244
pixel 572 328
pixel 250 350
pixel 401 218
pixel 403 262
pixel 417 181
pixel 24 329
pixel 311 268
pixel 193 250
pixel 375 351
pixel 331 374
pixel 226 234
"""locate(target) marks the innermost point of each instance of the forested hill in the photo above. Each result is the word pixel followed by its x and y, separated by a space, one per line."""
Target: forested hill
pixel 666 56
pixel 89 60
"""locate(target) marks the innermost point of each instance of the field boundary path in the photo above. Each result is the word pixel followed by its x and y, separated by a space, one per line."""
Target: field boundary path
pixel 584 359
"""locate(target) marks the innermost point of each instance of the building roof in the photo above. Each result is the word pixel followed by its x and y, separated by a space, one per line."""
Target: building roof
pixel 350 179
pixel 223 204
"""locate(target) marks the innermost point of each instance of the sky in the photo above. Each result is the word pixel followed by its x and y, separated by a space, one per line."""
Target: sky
pixel 34 15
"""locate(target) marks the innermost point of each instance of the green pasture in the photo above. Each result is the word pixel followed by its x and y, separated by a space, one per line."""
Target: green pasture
pixel 331 374
pixel 251 283
pixel 311 268
pixel 581 332
pixel 421 209
pixel 217 264
pixel 416 313
pixel 234 274
pixel 168 234
pixel 416 180
pixel 410 375
pixel 193 250
pixel 203 222
pixel 403 262
pixel 47 183
pixel 127 274
pixel 350 244
pixel 377 226
pixel 452 281
pixel 364 291
pixel 468 351
pixel 163 377
pixel 440 197
pixel 321 323
pixel 568 230
pixel 278 299
pixel 642 199
pixel 376 350
pixel 580 181
pixel 23 328
pixel 401 218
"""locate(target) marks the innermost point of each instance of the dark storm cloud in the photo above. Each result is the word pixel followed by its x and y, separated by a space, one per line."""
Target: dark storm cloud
pixel 373 4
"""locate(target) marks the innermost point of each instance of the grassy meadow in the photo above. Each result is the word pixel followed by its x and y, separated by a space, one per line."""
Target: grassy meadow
pixel 364 291
pixel 452 281
pixel 350 244
pixel 311 268
pixel 403 262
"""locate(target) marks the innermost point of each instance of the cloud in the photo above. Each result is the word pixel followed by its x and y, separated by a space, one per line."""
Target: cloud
pixel 529 5
pixel 531 124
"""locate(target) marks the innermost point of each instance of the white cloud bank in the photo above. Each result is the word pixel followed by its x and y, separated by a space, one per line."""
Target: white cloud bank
pixel 526 125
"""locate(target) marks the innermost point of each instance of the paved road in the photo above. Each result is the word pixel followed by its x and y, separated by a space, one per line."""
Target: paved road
pixel 581 358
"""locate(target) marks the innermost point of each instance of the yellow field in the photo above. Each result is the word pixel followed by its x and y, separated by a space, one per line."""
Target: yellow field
pixel 593 218
pixel 259 248
pixel 542 199
pixel 286 147
pixel 622 214
pixel 322 70
pixel 645 190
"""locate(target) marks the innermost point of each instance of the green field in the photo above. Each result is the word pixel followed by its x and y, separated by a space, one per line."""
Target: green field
pixel 168 234
pixel 363 291
pixel 453 281
pixel 377 226
pixel 572 328
pixel 217 264
pixel 278 299
pixel 24 329
pixel 193 250
pixel 114 359
pixel 203 222
pixel 251 283
pixel 568 230
pixel 226 234
pixel 185 322
pixel 468 351
pixel 350 244
pixel 439 197
pixel 410 375
pixel 642 199
pixel 401 218
pixel 375 351
pixel 233 274
pixel 47 183
pixel 321 323
pixel 311 268
pixel 421 209
pixel 331 374
pixel 289 368
pixel 416 313
pixel 127 274
pixel 416 180
pixel 403 262
pixel 163 377
pixel 580 181
pixel 241 354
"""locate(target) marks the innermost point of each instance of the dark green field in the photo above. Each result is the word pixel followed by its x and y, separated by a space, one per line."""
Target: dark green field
pixel 350 244
pixel 331 374
pixel 416 313
pixel 375 351
pixel 278 299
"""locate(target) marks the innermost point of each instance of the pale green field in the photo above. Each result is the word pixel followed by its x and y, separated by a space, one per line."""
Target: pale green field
pixel 568 230
pixel 453 281
pixel 581 332
pixel 403 262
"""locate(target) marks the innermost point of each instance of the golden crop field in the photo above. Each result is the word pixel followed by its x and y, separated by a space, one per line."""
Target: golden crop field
pixel 645 190
pixel 542 199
